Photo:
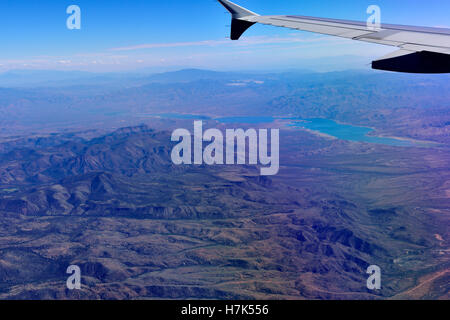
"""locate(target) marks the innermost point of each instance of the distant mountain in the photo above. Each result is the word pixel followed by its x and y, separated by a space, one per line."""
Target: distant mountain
pixel 18 78
pixel 58 79
pixel 190 75
pixel 411 106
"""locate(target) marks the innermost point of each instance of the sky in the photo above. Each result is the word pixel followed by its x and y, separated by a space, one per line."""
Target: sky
pixel 148 35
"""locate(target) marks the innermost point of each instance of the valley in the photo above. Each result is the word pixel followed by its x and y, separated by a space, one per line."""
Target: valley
pixel 88 180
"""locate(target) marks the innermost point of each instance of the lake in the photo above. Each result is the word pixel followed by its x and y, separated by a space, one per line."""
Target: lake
pixel 326 126
pixel 352 133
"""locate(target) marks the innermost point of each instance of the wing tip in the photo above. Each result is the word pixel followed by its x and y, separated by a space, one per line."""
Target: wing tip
pixel 236 10
pixel 238 24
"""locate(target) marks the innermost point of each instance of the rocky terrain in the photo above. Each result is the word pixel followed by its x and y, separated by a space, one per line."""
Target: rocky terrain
pixel 140 227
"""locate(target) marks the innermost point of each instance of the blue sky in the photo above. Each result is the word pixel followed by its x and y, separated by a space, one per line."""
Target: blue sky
pixel 119 35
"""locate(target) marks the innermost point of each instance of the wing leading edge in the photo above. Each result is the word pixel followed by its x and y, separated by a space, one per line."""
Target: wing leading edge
pixel 421 49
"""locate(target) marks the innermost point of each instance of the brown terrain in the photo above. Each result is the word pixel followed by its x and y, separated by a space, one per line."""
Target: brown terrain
pixel 83 182
pixel 140 227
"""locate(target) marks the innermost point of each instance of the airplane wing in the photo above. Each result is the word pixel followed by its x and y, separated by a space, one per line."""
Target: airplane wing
pixel 420 49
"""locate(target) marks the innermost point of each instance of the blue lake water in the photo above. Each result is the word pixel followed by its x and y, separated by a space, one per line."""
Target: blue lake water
pixel 330 127
pixel 352 133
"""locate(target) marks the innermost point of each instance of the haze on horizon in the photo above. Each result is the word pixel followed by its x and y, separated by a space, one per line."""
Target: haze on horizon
pixel 184 34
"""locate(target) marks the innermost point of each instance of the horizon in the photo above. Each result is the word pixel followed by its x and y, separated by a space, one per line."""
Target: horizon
pixel 41 78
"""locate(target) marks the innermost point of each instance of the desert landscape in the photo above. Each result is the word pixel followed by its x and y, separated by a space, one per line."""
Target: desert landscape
pixel 88 180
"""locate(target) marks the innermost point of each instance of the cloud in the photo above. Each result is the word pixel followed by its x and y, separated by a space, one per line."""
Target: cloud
pixel 249 41
pixel 250 52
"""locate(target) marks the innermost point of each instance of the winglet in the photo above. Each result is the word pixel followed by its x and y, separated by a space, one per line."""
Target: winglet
pixel 236 11
pixel 238 23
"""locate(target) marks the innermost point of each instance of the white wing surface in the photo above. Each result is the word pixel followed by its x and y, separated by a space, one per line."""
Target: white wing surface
pixel 420 49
